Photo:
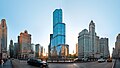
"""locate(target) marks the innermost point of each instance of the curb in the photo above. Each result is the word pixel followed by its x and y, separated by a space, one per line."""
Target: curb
pixel 60 62
pixel 113 65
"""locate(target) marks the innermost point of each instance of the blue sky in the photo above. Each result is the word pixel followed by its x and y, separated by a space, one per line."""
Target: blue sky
pixel 36 17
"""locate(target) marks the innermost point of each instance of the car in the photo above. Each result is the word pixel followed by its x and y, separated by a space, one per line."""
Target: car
pixel 85 59
pixel 12 58
pixel 109 60
pixel 101 60
pixel 77 60
pixel 37 62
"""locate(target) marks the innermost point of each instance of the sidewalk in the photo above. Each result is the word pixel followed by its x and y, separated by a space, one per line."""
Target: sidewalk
pixel 117 65
pixel 19 63
pixel 7 64
pixel 16 63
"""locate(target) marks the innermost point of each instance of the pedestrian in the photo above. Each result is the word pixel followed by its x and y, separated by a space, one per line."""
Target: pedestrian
pixel 2 62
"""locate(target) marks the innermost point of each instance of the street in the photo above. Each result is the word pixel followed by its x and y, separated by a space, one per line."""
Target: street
pixel 81 65
pixel 23 64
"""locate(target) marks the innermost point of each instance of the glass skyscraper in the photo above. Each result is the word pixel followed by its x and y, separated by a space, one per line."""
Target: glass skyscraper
pixel 58 37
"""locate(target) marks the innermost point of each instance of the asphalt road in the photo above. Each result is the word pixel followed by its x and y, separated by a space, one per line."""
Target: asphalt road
pixel 81 65
pixel 23 64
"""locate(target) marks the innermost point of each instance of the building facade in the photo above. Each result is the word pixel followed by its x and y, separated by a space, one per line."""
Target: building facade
pixel 97 46
pixel 76 49
pixel 90 46
pixel 104 49
pixel 11 49
pixel 24 41
pixel 58 28
pixel 92 37
pixel 116 50
pixel 97 53
pixel 65 51
pixel 3 34
pixel 3 39
pixel 37 50
pixel 41 51
pixel 57 39
pixel 83 44
pixel 114 54
pixel 49 46
pixel 16 50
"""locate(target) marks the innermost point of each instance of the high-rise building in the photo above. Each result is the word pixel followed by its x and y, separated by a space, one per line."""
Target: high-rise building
pixel 89 44
pixel 16 50
pixel 58 37
pixel 3 29
pixel 11 49
pixel 49 46
pixel 83 44
pixel 37 50
pixel 41 51
pixel 116 51
pixel 24 41
pixel 58 28
pixel 3 39
pixel 114 54
pixel 65 51
pixel 104 49
pixel 92 36
pixel 77 50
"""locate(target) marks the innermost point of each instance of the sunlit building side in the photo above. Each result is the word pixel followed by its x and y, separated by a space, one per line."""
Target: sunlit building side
pixel 3 40
pixel 76 49
pixel 24 41
pixel 58 37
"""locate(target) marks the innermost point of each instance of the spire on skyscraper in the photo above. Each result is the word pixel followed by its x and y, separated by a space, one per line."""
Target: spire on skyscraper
pixel 92 23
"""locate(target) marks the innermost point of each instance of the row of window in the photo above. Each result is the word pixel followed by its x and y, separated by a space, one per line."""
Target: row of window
pixel 58 40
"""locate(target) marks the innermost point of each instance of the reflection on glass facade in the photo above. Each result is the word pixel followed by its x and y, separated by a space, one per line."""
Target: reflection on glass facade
pixel 58 31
